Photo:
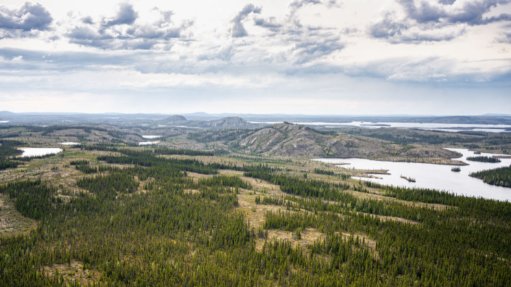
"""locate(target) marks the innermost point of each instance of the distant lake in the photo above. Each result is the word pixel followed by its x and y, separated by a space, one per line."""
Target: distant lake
pixel 70 143
pixel 433 176
pixel 422 126
pixel 38 151
pixel 151 137
pixel 148 143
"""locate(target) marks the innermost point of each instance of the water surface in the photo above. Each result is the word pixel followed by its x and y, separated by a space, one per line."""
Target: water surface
pixel 38 151
pixel 70 143
pixel 151 137
pixel 148 143
pixel 433 176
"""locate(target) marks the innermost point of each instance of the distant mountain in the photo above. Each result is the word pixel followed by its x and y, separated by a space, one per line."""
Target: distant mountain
pixel 175 119
pixel 229 123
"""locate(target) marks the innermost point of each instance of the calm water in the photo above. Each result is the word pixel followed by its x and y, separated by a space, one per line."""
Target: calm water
pixel 70 143
pixel 151 137
pixel 433 176
pixel 149 143
pixel 38 151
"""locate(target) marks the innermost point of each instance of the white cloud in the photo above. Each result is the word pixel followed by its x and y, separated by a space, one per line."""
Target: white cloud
pixel 160 46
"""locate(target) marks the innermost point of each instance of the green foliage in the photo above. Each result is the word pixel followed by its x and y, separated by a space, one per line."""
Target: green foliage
pixel 7 151
pixel 300 187
pixel 323 171
pixel 222 180
pixel 169 237
pixel 169 151
pixel 500 176
pixel 489 159
pixel 109 185
pixel 86 167
pixel 32 198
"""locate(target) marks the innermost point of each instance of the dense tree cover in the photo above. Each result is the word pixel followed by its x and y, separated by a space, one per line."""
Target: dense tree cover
pixel 86 167
pixel 148 158
pixel 169 151
pixel 109 185
pixel 32 198
pixel 490 159
pixel 500 176
pixel 301 187
pixel 7 151
pixel 230 181
pixel 323 171
pixel 166 236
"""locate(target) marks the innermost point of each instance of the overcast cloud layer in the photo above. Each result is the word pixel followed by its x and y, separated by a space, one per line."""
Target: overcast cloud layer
pixel 299 56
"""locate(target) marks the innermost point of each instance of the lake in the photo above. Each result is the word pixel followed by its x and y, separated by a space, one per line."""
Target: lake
pixel 148 143
pixel 433 176
pixel 38 151
pixel 70 143
pixel 151 137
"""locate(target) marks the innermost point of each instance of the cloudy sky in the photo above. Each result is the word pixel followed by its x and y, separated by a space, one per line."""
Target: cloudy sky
pixel 300 56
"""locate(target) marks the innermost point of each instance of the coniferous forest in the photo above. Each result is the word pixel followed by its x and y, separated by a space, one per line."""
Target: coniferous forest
pixel 499 176
pixel 152 220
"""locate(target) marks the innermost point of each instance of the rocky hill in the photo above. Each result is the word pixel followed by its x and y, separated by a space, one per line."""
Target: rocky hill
pixel 295 140
pixel 228 123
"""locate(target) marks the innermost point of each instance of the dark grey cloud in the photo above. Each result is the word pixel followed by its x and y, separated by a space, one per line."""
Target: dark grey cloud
pixel 125 15
pixel 428 21
pixel 269 23
pixel 238 30
pixel 388 27
pixel 297 4
pixel 23 21
pixel 315 48
pixel 123 31
pixel 471 13
pixel 400 31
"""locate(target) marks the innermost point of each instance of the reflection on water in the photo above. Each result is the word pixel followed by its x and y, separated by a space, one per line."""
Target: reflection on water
pixel 433 176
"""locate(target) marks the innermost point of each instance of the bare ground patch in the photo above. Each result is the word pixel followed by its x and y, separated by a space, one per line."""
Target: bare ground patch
pixel 254 213
pixel 307 238
pixel 384 218
pixel 197 176
pixel 73 273
pixel 12 223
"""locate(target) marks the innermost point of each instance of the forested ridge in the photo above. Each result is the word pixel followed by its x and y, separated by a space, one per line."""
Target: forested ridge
pixel 169 236
pixel 499 176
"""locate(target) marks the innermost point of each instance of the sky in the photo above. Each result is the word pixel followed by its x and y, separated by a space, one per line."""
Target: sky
pixel 335 57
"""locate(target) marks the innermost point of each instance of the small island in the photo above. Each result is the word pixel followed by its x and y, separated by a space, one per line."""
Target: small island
pixel 489 159
pixel 409 179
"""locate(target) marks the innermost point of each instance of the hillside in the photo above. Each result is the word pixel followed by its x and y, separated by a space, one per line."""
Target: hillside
pixel 228 123
pixel 175 119
pixel 295 140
